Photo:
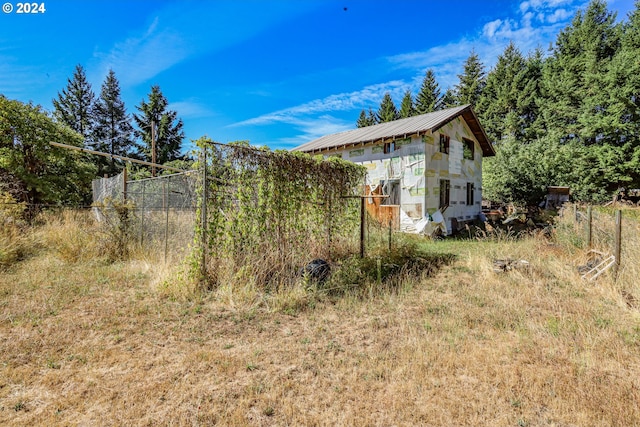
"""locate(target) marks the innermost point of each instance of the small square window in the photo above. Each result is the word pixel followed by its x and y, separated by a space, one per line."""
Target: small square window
pixel 444 144
pixel 389 147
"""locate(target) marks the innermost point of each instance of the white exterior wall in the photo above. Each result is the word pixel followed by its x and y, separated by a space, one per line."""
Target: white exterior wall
pixel 419 166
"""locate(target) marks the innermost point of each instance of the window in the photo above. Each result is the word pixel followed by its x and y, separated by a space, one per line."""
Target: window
pixel 389 147
pixel 445 193
pixel 470 189
pixel 444 144
pixel 468 148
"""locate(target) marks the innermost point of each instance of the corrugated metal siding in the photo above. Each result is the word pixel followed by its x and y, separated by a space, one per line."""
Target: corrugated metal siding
pixel 395 129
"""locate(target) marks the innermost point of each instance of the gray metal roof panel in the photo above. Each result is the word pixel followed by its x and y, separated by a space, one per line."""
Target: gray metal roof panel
pixel 394 129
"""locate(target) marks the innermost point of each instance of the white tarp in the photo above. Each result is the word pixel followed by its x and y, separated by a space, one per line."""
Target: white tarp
pixel 427 225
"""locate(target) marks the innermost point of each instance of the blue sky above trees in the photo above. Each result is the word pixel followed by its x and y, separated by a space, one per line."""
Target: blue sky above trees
pixel 276 73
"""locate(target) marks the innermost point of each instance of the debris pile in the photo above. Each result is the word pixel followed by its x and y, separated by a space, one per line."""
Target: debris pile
pixel 503 265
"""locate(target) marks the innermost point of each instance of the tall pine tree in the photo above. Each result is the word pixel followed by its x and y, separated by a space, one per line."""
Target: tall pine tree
pixel 407 108
pixel 113 132
pixel 167 128
pixel 387 111
pixel 362 120
pixel 471 81
pixel 74 106
pixel 573 77
pixel 507 103
pixel 372 119
pixel 449 99
pixel 428 99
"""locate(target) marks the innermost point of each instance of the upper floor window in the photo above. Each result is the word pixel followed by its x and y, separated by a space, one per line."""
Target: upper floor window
pixel 389 147
pixel 468 148
pixel 444 143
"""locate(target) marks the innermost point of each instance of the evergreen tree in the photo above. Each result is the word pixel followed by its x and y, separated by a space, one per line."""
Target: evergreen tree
pixel 387 111
pixel 507 104
pixel 74 106
pixel 574 104
pixel 471 81
pixel 428 99
pixel 372 118
pixel 530 98
pixel 406 107
pixel 363 121
pixel 113 132
pixel 168 129
pixel 449 99
pixel 622 85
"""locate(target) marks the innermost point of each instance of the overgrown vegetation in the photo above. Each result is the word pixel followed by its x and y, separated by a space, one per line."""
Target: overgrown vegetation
pixel 32 170
pixel 268 213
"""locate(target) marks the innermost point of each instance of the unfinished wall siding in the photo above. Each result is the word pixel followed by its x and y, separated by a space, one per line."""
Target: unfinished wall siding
pixel 457 169
pixel 418 165
pixel 404 160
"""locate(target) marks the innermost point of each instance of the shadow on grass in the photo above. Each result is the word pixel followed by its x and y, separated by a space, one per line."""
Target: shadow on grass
pixel 402 267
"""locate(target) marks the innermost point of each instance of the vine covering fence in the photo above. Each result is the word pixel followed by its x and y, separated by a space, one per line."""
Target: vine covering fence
pixel 268 213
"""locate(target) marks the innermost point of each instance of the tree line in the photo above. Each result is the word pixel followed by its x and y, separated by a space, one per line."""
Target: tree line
pixel 33 171
pixel 569 117
pixel 105 125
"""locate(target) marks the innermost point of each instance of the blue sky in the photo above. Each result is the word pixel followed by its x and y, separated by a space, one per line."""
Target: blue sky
pixel 274 72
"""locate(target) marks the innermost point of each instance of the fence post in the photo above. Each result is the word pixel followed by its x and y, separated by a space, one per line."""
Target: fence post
pixel 124 184
pixel 203 211
pixel 166 225
pixel 618 242
pixel 390 222
pixel 362 226
pixel 589 227
pixel 144 186
pixel 329 218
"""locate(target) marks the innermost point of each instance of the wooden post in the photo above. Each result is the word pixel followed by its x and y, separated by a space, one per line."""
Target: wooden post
pixel 390 222
pixel 362 226
pixel 618 242
pixel 589 227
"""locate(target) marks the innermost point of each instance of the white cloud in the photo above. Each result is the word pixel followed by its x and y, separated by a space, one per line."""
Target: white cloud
pixel 490 28
pixel 142 57
pixel 191 109
pixel 558 15
pixel 315 128
pixel 368 97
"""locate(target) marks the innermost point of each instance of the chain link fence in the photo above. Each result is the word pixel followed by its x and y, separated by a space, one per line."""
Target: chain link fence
pixel 159 213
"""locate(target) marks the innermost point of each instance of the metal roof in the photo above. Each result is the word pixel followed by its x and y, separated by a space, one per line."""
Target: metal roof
pixel 400 129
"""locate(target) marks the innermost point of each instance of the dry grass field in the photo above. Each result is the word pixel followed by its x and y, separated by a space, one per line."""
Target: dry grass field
pixel 89 342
